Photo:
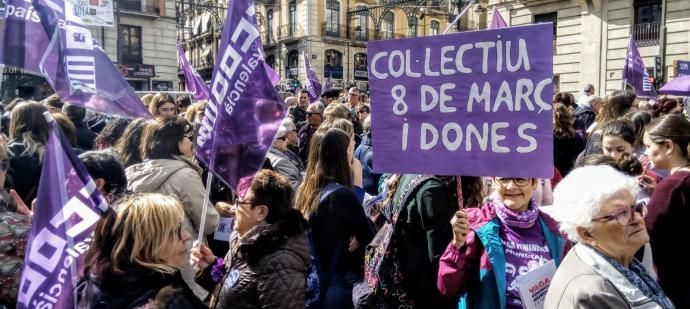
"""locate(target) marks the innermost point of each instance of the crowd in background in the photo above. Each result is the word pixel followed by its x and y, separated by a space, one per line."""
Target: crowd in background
pixel 317 227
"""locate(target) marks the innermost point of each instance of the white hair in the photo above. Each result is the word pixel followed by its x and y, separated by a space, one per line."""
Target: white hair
pixel 581 194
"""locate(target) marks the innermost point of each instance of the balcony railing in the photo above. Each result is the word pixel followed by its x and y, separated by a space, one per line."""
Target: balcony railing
pixel 332 30
pixel 646 34
pixel 137 7
pixel 268 37
pixel 289 32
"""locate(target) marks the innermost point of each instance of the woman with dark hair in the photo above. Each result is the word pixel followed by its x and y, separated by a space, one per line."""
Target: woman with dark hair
pixel 567 144
pixel 667 139
pixel 107 172
pixel 136 255
pixel 168 169
pixel 111 133
pixel 614 107
pixel 163 106
pixel 128 146
pixel 28 137
pixel 266 265
pixel 666 106
pixel 340 229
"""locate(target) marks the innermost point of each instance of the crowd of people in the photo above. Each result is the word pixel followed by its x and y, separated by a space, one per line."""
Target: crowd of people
pixel 317 227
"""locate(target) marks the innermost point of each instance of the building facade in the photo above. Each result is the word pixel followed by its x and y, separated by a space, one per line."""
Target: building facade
pixel 141 44
pixel 591 37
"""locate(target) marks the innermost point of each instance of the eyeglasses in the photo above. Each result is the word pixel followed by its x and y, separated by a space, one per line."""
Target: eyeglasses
pixel 625 216
pixel 238 201
pixel 281 138
pixel 353 94
pixel 4 165
pixel 309 114
pixel 520 182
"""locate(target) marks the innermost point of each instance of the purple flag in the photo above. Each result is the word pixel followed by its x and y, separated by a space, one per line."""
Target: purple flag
pixel 329 82
pixel 635 73
pixel 497 20
pixel 244 110
pixel 485 111
pixel 679 86
pixel 313 84
pixel 272 74
pixel 68 207
pixel 195 84
pixel 45 37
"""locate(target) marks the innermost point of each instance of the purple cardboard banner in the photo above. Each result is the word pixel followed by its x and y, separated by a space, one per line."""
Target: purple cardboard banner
pixel 244 110
pixel 68 207
pixel 470 103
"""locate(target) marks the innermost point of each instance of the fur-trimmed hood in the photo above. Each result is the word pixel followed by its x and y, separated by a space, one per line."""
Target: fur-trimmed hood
pixel 268 238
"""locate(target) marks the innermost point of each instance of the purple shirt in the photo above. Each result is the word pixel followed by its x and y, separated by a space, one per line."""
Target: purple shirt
pixel 525 249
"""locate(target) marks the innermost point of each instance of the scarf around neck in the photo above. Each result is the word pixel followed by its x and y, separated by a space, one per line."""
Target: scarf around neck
pixel 636 285
pixel 516 219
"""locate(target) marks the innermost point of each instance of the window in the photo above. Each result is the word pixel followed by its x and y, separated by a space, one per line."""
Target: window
pixel 434 27
pixel 546 18
pixel 362 26
pixel 387 25
pixel 130 49
pixel 333 65
pixel 360 65
pixel 271 61
pixel 292 18
pixel 647 27
pixel 332 17
pixel 131 5
pixel 269 26
pixel 412 22
pixel 292 61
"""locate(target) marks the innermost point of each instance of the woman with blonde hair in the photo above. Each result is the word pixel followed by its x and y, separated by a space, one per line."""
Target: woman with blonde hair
pixel 135 259
pixel 28 136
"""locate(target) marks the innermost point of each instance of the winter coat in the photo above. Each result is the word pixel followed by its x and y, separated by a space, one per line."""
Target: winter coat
pixel 284 165
pixel 180 178
pixel 565 152
pixel 477 270
pixel 137 288
pixel 24 171
pixel 364 154
pixel 265 268
pixel 85 137
pixel 584 117
pixel 304 136
pixel 14 236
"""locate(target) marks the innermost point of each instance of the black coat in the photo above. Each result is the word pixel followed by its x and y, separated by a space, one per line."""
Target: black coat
pixel 85 136
pixel 24 171
pixel 138 287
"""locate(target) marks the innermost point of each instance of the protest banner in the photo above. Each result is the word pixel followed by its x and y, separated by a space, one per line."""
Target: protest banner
pixel 45 37
pixel 244 110
pixel 533 285
pixel 313 85
pixel 195 84
pixel 471 103
pixel 95 12
pixel 68 207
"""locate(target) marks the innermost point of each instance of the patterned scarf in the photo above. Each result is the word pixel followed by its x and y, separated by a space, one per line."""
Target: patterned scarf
pixel 638 276
pixel 513 218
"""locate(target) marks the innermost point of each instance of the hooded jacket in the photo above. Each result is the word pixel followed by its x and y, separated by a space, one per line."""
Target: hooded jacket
pixel 180 178
pixel 265 268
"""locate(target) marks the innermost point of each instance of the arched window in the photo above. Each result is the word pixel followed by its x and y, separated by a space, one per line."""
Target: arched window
pixel 362 26
pixel 333 65
pixel 332 17
pixel 360 65
pixel 292 61
pixel 387 25
pixel 412 22
pixel 434 27
pixel 269 26
pixel 292 18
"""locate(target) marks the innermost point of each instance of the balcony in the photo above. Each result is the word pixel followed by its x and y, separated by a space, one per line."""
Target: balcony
pixel 646 34
pixel 331 30
pixel 290 32
pixel 268 37
pixel 136 8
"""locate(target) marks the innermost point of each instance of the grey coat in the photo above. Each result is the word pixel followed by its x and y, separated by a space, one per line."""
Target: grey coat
pixel 283 165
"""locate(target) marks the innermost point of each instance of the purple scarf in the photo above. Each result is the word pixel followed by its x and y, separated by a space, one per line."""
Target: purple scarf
pixel 516 219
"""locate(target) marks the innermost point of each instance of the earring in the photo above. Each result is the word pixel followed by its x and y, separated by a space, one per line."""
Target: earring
pixel 593 243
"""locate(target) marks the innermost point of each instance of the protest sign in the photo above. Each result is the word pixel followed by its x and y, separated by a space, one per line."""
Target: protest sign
pixel 471 103
pixel 534 285
pixel 68 207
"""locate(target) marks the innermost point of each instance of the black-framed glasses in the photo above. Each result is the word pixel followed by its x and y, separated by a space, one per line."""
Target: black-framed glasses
pixel 4 165
pixel 625 216
pixel 238 201
pixel 520 182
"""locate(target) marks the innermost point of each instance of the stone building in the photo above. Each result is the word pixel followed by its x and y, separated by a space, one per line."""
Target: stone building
pixel 591 36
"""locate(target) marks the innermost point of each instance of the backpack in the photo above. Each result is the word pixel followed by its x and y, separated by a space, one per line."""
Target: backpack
pixel 383 279
pixel 313 284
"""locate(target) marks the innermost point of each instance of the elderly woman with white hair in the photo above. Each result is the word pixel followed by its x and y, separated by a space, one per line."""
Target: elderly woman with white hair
pixel 596 208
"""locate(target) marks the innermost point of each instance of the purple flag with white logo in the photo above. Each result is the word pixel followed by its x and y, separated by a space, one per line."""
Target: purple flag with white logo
pixel 272 74
pixel 497 20
pixel 68 207
pixel 244 110
pixel 313 84
pixel 45 37
pixel 329 82
pixel 195 84
pixel 635 72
